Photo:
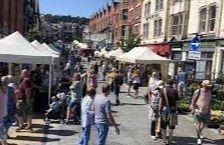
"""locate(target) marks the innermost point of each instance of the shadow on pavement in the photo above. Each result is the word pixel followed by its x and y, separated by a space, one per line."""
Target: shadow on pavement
pixel 35 139
pixel 132 104
pixel 41 126
pixel 192 141
pixel 56 132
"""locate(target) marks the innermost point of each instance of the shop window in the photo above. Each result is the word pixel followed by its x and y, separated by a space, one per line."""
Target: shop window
pixel 212 16
pixel 202 20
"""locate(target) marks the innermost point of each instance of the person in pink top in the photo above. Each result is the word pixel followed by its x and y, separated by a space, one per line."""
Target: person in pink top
pixel 201 108
pixel 3 110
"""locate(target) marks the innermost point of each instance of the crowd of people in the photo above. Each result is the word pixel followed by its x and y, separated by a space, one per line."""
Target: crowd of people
pixel 76 98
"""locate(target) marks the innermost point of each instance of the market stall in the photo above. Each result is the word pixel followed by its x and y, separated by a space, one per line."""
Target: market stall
pixel 143 55
pixel 115 53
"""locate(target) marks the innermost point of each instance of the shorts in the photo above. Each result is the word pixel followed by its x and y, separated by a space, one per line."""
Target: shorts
pixel 23 108
pixel 74 103
pixel 136 86
pixel 165 118
pixel 3 134
pixel 130 83
pixel 202 117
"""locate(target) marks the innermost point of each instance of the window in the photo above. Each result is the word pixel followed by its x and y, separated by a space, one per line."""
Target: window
pixel 124 14
pixel 159 5
pixel 147 9
pixel 202 27
pixel 212 16
pixel 123 31
pixel 177 22
pixel 146 30
pixel 157 28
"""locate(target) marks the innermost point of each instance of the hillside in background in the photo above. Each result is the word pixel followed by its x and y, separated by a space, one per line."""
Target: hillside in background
pixel 59 18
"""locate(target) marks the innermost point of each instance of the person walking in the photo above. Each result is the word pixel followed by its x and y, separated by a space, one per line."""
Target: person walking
pixel 130 80
pixel 152 85
pixel 201 108
pixel 10 118
pixel 167 109
pixel 3 110
pixel 182 83
pixel 76 96
pixel 87 115
pixel 154 109
pixel 103 115
pixel 24 104
pixel 136 83
pixel 91 79
pixel 118 81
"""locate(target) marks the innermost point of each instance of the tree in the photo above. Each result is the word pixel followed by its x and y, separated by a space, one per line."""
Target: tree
pixel 132 41
pixel 34 34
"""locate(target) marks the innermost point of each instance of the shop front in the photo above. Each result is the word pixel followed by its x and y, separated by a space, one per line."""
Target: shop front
pixel 203 67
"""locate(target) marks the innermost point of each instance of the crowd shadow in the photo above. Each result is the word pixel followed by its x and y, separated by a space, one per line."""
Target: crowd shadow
pixel 56 132
pixel 35 139
pixel 192 141
pixel 132 104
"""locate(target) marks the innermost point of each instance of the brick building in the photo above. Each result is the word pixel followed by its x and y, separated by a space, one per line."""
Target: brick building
pixel 18 15
pixel 116 22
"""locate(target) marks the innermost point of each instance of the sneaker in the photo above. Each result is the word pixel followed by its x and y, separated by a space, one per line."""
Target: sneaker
pixel 153 137
pixel 199 141
pixel 29 128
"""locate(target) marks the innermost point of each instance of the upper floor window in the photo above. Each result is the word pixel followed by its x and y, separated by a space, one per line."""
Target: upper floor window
pixel 157 28
pixel 124 14
pixel 207 19
pixel 202 27
pixel 147 9
pixel 212 16
pixel 159 5
pixel 146 30
pixel 177 22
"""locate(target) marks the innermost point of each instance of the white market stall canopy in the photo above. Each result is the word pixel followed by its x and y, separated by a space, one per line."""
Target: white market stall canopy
pixel 50 49
pixel 142 55
pixel 103 52
pixel 115 53
pixel 16 49
pixel 43 49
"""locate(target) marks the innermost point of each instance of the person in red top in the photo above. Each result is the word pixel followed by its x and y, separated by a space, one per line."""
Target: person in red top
pixel 24 103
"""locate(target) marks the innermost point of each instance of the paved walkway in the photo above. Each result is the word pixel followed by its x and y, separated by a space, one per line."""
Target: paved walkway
pixel 132 117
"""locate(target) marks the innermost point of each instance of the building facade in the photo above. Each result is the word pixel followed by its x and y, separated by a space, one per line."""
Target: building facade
pixel 116 22
pixel 18 15
pixel 154 26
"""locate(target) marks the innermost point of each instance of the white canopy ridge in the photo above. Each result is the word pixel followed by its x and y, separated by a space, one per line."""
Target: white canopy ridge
pixel 142 55
pixel 16 49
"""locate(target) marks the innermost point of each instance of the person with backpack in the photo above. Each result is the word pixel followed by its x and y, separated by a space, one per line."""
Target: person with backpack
pixel 200 107
pixel 118 82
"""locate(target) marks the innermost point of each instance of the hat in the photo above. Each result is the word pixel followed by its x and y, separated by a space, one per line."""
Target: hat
pixel 160 84
pixel 113 69
pixel 154 73
pixel 206 83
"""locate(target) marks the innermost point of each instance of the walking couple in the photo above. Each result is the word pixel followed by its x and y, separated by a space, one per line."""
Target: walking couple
pixel 96 109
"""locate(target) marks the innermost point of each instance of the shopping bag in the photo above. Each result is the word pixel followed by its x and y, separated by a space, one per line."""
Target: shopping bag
pixel 158 125
pixel 173 119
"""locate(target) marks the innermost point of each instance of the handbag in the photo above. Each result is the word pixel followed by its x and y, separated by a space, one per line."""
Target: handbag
pixel 172 117
pixel 158 125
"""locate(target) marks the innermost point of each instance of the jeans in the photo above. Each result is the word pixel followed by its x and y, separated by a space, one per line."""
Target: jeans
pixel 102 129
pixel 85 135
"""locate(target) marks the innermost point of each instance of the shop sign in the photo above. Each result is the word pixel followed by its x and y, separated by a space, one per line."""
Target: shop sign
pixel 195 55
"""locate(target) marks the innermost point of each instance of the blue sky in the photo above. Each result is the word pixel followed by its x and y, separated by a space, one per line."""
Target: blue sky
pixel 71 7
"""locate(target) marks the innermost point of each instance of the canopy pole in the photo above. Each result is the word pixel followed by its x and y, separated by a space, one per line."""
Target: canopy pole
pixel 50 80
pixel 10 68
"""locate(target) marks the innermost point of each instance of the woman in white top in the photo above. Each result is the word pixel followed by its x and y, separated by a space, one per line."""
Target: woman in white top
pixel 136 83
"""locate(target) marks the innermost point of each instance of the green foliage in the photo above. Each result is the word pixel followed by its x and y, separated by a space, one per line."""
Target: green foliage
pixel 217 104
pixel 58 18
pixel 132 41
pixel 183 107
pixel 34 34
